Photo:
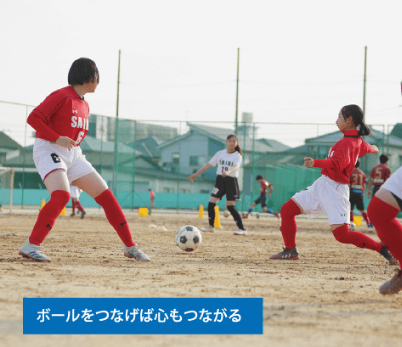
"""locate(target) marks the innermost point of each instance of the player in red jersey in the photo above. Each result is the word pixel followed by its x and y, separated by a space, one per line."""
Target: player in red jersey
pixel 265 185
pixel 61 123
pixel 357 186
pixel 383 210
pixel 329 194
pixel 379 174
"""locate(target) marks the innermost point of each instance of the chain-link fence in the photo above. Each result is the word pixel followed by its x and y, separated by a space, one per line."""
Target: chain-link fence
pixel 136 156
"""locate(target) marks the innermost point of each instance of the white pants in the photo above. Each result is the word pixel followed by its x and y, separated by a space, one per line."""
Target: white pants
pixel 49 156
pixel 327 197
pixel 75 192
pixel 394 183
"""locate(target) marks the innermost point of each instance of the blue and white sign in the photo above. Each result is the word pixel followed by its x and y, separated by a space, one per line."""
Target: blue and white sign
pixel 143 316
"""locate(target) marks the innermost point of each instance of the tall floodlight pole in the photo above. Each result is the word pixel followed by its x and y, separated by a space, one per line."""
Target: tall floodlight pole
pixel 116 128
pixel 237 90
pixel 364 83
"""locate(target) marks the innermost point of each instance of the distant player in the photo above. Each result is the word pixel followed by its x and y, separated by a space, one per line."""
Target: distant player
pixel 379 174
pixel 61 123
pixel 75 193
pixel 382 210
pixel 151 198
pixel 329 194
pixel 265 185
pixel 229 161
pixel 357 185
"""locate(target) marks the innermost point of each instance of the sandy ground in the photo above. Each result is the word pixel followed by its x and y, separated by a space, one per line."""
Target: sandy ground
pixel 329 297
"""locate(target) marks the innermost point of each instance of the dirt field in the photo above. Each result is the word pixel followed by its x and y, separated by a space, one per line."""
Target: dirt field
pixel 329 297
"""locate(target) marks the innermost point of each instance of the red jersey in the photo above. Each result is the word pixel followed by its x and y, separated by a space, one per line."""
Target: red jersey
pixel 380 174
pixel 344 155
pixel 151 194
pixel 357 180
pixel 65 113
pixel 264 187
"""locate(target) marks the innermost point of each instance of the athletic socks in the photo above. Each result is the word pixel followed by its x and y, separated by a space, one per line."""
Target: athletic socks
pixel 79 206
pixel 270 211
pixel 289 211
pixel 364 215
pixel 249 210
pixel 389 229
pixel 236 217
pixel 211 213
pixel 344 235
pixel 115 216
pixel 351 216
pixel 73 205
pixel 47 216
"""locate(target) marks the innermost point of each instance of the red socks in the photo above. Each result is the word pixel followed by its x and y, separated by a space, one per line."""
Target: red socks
pixel 364 215
pixel 115 216
pixel 288 224
pixel 344 235
pixel 389 229
pixel 79 206
pixel 47 216
pixel 73 205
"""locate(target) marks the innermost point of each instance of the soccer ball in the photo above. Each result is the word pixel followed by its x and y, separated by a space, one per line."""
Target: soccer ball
pixel 352 226
pixel 226 213
pixel 188 238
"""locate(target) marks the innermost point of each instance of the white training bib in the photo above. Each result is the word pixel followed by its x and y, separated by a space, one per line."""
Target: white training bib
pixel 226 161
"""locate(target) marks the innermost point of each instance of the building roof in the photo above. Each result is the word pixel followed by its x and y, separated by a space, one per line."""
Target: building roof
pixel 220 135
pixel 7 142
pixel 147 146
pixel 376 137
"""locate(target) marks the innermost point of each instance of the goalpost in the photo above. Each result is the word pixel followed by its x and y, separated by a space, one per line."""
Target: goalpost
pixel 6 183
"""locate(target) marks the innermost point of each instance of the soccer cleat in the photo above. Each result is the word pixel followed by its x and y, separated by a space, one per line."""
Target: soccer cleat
pixel 287 254
pixel 240 232
pixel 387 255
pixel 83 213
pixel 33 251
pixel 136 253
pixel 392 286
pixel 370 229
pixel 72 214
pixel 209 228
pixel 244 216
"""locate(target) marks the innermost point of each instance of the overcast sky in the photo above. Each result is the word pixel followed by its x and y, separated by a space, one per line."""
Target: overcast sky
pixel 300 61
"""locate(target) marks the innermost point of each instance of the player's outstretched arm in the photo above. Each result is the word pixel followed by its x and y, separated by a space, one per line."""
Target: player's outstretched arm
pixel 308 162
pixel 233 169
pixel 199 172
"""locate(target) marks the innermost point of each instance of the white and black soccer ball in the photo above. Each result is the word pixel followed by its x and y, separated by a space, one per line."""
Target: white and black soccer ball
pixel 188 238
pixel 226 213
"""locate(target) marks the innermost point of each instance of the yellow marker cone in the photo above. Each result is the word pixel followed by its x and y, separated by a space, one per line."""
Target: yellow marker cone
pixel 42 204
pixel 143 212
pixel 201 214
pixel 63 211
pixel 357 220
pixel 217 222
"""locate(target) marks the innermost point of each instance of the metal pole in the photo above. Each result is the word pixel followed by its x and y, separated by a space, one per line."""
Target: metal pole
pixel 253 166
pixel 23 158
pixel 133 178
pixel 243 161
pixel 237 90
pixel 364 83
pixel 178 173
pixel 12 186
pixel 116 129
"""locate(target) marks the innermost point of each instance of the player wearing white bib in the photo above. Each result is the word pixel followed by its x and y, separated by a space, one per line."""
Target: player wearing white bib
pixel 229 161
pixel 61 123
pixel 329 194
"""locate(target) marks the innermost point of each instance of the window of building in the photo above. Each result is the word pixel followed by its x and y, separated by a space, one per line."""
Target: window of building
pixel 175 158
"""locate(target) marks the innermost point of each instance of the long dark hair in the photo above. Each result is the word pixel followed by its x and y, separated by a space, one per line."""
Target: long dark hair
pixel 237 148
pixel 357 115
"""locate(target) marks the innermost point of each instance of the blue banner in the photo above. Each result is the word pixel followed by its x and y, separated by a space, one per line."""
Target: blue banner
pixel 143 316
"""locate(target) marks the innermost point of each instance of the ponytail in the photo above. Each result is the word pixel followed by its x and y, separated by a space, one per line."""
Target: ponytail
pixel 357 115
pixel 237 148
